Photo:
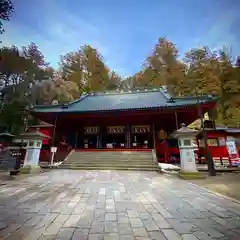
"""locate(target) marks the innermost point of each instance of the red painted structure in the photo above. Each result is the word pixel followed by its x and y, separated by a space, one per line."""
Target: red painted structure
pixel 154 109
pixel 45 154
pixel 217 139
pixel 46 129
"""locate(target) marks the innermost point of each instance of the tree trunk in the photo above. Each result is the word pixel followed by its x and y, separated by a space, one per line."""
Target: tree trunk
pixel 208 156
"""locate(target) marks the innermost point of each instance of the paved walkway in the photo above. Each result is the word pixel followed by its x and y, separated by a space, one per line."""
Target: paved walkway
pixel 65 204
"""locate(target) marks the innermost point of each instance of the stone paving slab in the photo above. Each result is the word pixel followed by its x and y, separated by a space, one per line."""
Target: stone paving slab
pixel 113 205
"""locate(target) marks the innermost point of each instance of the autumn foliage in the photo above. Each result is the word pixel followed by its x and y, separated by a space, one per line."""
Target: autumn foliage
pixel 27 79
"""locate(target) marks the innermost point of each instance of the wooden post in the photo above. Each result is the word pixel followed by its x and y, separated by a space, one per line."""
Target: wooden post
pixel 130 136
pixel 126 136
pixel 229 159
pixel 176 120
pixel 153 133
pixel 207 154
pixel 76 139
pixel 54 139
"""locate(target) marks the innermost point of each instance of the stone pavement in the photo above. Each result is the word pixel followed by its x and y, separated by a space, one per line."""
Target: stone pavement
pixel 113 205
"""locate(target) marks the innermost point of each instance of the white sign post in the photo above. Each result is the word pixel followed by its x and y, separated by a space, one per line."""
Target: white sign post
pixel 53 151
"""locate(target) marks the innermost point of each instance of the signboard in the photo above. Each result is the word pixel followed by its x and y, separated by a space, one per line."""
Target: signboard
pixel 7 160
pixel 91 130
pixel 212 142
pixel 233 153
pixel 140 129
pixel 53 149
pixel 116 130
pixel 222 141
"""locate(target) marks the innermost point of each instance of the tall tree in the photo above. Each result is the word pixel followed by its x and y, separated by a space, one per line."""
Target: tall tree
pixel 148 77
pixel 230 90
pixel 201 76
pixel 72 66
pixel 86 68
pixel 201 79
pixel 165 68
pixel 19 69
pixel 12 66
pixel 6 10
pixel 128 83
pixel 97 73
pixel 58 90
pixel 114 81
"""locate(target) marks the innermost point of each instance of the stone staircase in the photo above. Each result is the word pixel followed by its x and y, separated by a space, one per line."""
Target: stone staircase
pixel 111 160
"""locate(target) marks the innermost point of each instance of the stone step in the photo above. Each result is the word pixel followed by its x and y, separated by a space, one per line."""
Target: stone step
pixel 109 160
pixel 110 156
pixel 109 164
pixel 114 152
pixel 108 168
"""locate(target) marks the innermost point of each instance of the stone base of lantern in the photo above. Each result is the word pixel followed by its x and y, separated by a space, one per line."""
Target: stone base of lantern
pixel 191 175
pixel 14 172
pixel 30 169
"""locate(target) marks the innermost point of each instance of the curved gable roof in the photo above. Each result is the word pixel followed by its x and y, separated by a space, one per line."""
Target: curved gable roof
pixel 118 101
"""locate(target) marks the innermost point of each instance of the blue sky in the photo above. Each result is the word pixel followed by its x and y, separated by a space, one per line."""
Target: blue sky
pixel 125 31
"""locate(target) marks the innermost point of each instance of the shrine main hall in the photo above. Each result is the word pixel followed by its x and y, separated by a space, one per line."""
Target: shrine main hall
pixel 121 120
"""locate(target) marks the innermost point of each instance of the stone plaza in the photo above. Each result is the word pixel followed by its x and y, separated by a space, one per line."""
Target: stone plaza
pixel 116 205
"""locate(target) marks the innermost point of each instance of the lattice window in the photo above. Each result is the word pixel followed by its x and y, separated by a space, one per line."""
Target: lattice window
pixel 141 129
pixel 116 130
pixel 91 130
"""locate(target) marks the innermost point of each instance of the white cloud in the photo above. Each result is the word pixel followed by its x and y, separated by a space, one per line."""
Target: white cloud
pixel 59 31
pixel 221 33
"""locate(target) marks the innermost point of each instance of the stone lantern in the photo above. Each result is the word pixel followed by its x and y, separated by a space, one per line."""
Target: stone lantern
pixel 186 137
pixel 34 145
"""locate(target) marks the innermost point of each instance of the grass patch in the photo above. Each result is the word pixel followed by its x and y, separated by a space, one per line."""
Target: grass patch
pixel 30 169
pixel 224 183
pixel 191 175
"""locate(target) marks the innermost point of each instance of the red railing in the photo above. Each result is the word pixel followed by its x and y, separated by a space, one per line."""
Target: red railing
pixel 62 152
pixel 45 156
pixel 172 155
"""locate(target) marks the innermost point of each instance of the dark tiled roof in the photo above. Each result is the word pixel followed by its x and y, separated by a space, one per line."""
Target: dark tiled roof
pixel 228 130
pixel 224 129
pixel 117 101
pixel 36 134
pixel 6 134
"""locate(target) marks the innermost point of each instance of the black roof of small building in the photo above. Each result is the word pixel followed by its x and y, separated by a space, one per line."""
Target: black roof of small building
pixel 118 101
pixel 34 135
pixel 224 129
